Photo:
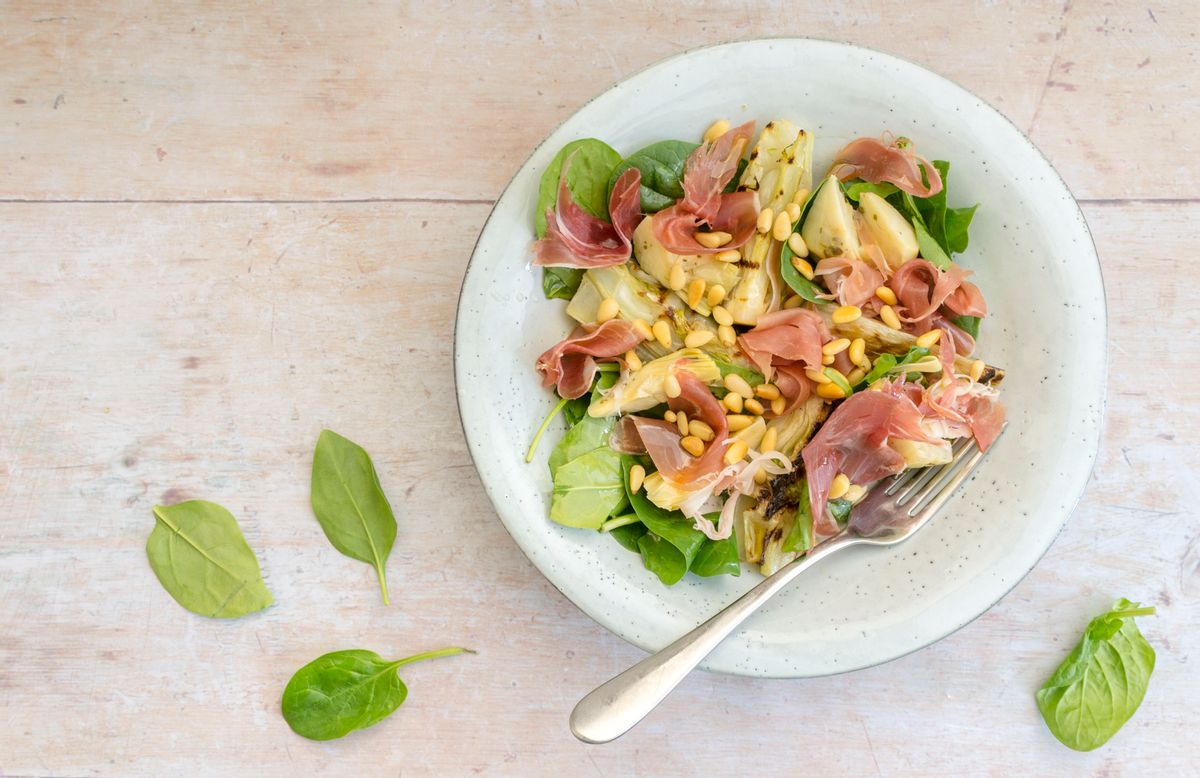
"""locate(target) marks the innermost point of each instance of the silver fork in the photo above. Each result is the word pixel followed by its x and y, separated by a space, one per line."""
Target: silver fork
pixel 890 513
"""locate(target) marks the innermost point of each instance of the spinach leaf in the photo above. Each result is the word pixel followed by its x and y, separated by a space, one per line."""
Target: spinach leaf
pixel 931 249
pixel 629 535
pixel 588 434
pixel 588 489
pixel 342 691
pixel 350 504
pixel 885 363
pixel 883 189
pixel 840 510
pixel 968 324
pixel 592 161
pixel 800 537
pixel 561 283
pixel 958 221
pixel 1100 685
pixel 662 167
pixel 809 290
pixel 202 559
pixel 672 545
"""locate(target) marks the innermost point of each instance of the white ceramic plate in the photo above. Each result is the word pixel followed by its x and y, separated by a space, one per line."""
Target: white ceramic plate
pixel 1034 260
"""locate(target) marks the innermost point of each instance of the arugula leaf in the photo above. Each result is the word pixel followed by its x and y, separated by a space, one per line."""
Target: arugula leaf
pixel 342 691
pixel 561 283
pixel 800 537
pixel 201 558
pixel 809 290
pixel 350 504
pixel 968 324
pixel 885 363
pixel 662 166
pixel 592 161
pixel 1100 685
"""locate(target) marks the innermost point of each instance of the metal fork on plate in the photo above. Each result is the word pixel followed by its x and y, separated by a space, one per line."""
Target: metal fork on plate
pixel 890 513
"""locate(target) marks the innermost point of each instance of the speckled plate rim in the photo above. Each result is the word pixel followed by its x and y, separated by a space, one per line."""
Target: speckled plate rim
pixel 1091 452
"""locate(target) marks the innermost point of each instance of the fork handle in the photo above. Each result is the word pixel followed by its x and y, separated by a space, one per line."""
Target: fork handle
pixel 613 708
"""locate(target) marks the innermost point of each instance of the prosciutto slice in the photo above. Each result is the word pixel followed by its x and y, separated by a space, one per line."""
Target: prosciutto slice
pixel 891 160
pixel 575 238
pixel 852 281
pixel 661 439
pixel 854 440
pixel 707 172
pixel 922 289
pixel 784 343
pixel 571 364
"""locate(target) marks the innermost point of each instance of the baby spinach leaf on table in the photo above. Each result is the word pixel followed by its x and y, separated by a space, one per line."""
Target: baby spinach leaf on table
pixel 342 691
pixel 350 504
pixel 201 558
pixel 661 165
pixel 592 161
pixel 809 290
pixel 561 283
pixel 1100 685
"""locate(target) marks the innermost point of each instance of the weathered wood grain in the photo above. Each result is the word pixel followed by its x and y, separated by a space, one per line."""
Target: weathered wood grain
pixel 148 101
pixel 153 351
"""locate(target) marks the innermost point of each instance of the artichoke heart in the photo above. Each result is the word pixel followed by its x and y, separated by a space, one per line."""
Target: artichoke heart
pixel 636 299
pixel 644 388
pixel 663 493
pixel 829 228
pixel 780 166
pixel 656 261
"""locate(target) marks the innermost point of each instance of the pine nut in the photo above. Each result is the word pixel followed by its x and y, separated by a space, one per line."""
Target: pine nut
pixel 887 314
pixel 731 255
pixel 782 227
pixel 767 391
pixel 676 278
pixel 830 391
pixel 662 333
pixel 766 218
pixel 732 401
pixel 761 476
pixel 726 335
pixel 692 445
pixel 839 487
pixel 637 474
pixel 681 421
pixel 670 416
pixel 846 314
pixel 701 430
pixel 855 493
pixel 835 347
pixel 795 301
pixel 929 338
pixel 817 376
pixel 696 291
pixel 716 130
pixel 858 351
pixel 716 293
pixel 886 294
pixel 779 405
pixel 827 359
pixel 803 267
pixel 754 406
pixel 698 338
pixel 736 452
pixel 800 197
pixel 722 315
pixel 798 246
pixel 633 360
pixel 608 309
pixel 977 368
pixel 769 438
pixel 735 383
pixel 738 422
pixel 641 327
pixel 712 240
pixel 793 210
pixel 671 386
pixel 855 375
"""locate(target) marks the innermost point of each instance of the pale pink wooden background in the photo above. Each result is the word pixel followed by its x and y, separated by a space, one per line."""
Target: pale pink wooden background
pixel 225 226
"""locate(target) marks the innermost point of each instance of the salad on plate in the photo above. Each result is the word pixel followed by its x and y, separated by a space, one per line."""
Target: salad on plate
pixel 753 347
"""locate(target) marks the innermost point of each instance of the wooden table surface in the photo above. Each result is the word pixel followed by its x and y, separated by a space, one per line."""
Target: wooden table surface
pixel 225 227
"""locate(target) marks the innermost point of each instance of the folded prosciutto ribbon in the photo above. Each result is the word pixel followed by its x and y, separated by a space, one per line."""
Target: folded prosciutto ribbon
pixel 707 172
pixel 923 291
pixel 783 344
pixel 575 238
pixel 891 160
pixel 570 365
